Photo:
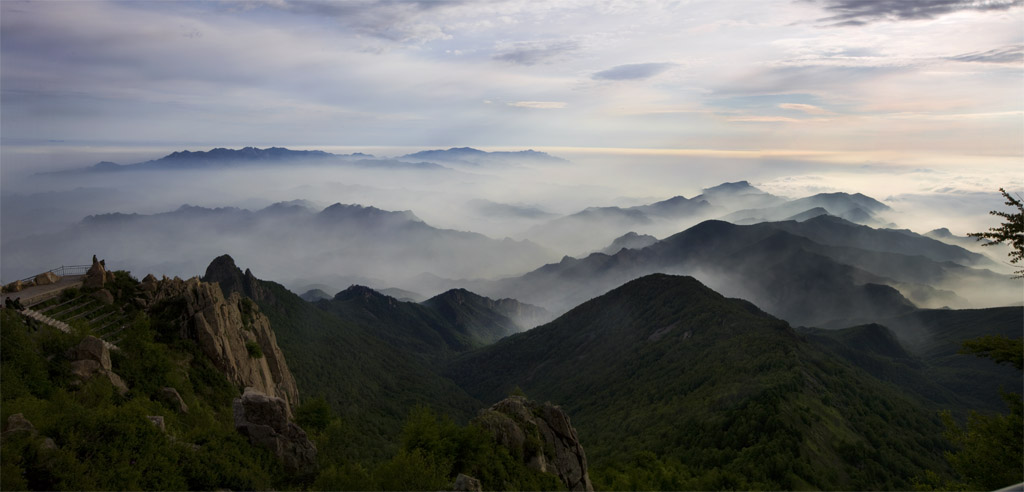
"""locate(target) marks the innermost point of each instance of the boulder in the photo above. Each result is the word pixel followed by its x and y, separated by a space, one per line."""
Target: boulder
pixel 264 421
pixel 91 357
pixel 47 278
pixel 541 436
pixel 104 296
pixel 170 397
pixel 110 277
pixel 17 423
pixel 96 276
pixel 92 348
pixel 466 483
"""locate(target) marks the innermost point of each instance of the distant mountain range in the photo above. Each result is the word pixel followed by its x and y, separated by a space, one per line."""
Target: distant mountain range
pixel 474 157
pixel 739 203
pixel 219 158
pixel 822 270
pixel 289 239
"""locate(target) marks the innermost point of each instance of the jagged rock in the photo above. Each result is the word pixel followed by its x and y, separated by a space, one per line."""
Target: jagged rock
pixel 541 436
pixel 92 348
pixel 104 296
pixel 158 421
pixel 47 278
pixel 466 483
pixel 221 331
pixel 92 357
pixel 110 277
pixel 264 420
pixel 96 276
pixel 148 284
pixel 17 423
pixel 172 398
pixel 222 270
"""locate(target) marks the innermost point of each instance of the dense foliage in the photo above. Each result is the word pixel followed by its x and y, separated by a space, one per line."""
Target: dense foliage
pixel 102 440
pixel 1011 231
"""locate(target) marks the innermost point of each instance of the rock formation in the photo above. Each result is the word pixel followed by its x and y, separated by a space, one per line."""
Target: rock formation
pixel 466 483
pixel 170 397
pixel 96 276
pixel 47 278
pixel 222 328
pixel 223 271
pixel 92 357
pixel 264 420
pixel 541 436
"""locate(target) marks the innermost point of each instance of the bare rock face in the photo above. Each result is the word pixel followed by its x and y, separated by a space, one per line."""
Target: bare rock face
pixel 15 286
pixel 541 436
pixel 222 327
pixel 466 483
pixel 92 357
pixel 170 397
pixel 96 277
pixel 17 423
pixel 46 278
pixel 264 420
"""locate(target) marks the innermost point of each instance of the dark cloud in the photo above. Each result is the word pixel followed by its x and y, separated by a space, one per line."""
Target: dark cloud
pixel 860 12
pixel 632 71
pixel 1007 54
pixel 532 53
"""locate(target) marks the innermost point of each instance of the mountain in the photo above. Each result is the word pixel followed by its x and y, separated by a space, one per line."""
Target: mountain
pixel 368 381
pixel 488 208
pixel 453 321
pixel 629 240
pixel 313 295
pixel 594 227
pixel 856 275
pixel 474 157
pixel 290 240
pixel 490 320
pixel 710 387
pixel 738 195
pixel 855 208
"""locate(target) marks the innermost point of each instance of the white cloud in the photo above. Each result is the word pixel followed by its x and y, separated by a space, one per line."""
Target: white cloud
pixel 539 104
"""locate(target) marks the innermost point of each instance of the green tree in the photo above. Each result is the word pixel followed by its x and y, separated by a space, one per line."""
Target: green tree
pixel 1011 231
pixel 991 447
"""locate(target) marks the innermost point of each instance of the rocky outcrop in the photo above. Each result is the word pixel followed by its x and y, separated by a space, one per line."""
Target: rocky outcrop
pixel 91 358
pixel 541 436
pixel 223 271
pixel 96 277
pixel 222 328
pixel 15 286
pixel 466 483
pixel 47 278
pixel 170 397
pixel 264 420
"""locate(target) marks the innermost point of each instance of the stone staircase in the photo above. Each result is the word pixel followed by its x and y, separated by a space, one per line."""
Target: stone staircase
pixel 46 320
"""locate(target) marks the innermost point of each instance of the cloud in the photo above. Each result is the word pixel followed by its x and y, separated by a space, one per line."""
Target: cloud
pixel 806 108
pixel 404 21
pixel 534 52
pixel 861 12
pixel 764 119
pixel 538 104
pixel 633 71
pixel 1008 54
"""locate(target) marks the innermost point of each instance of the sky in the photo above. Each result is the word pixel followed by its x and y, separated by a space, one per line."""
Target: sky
pixel 890 82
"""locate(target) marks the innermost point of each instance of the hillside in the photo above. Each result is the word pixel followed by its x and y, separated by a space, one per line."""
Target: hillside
pixel 669 361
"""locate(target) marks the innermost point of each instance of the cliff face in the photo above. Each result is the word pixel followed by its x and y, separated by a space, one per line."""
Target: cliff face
pixel 231 332
pixel 541 436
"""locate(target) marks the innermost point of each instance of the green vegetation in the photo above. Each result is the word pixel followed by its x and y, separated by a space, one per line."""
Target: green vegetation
pixel 1011 231
pixel 253 347
pixel 672 386
pixel 89 437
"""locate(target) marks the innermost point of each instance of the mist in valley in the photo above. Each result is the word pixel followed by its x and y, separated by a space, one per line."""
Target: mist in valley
pixel 426 227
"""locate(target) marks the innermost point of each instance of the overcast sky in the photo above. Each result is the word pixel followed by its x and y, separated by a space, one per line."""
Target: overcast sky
pixel 882 80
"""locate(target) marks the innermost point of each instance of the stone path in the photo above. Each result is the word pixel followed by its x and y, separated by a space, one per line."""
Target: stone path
pixel 58 324
pixel 31 296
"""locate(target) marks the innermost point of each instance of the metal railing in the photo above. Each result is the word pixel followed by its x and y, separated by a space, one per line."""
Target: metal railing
pixel 62 271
